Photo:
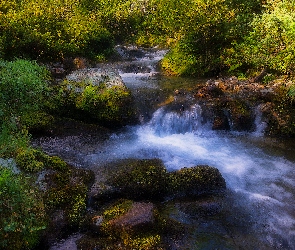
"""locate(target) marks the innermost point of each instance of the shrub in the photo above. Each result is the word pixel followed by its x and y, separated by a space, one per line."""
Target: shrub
pixel 22 212
pixel 11 140
pixel 22 88
pixel 270 43
pixel 52 30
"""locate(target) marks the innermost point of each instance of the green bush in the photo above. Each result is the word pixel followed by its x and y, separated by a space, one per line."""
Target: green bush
pixel 22 89
pixel 52 29
pixel 11 140
pixel 270 44
pixel 22 212
pixel 202 45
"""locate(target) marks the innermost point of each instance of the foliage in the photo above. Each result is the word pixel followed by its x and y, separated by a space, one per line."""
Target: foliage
pixel 22 88
pixel 202 45
pixel 11 140
pixel 52 29
pixel 22 212
pixel 270 43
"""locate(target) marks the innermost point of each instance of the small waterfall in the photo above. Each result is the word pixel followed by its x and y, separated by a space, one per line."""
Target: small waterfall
pixel 260 124
pixel 176 122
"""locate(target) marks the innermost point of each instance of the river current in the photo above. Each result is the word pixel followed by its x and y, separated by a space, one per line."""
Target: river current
pixel 259 212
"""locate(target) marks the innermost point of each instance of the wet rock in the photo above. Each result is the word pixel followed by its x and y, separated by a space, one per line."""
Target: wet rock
pixel 140 179
pixel 124 225
pixel 96 77
pixel 139 214
pixel 94 97
pixel 149 179
pixel 202 208
pixel 220 121
pixel 195 181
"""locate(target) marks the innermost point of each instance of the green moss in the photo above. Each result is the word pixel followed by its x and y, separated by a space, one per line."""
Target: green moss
pixel 189 182
pixel 72 199
pixel 122 237
pixel 111 106
pixel 56 163
pixel 115 210
pixel 27 160
pixel 140 179
pixel 37 121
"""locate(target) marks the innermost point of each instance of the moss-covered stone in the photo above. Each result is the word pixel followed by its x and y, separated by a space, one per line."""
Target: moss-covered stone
pixel 37 122
pixel 195 181
pixel 27 159
pixel 125 225
pixel 111 106
pixel 240 115
pixel 140 179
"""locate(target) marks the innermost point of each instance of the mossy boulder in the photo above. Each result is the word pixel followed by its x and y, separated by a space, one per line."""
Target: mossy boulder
pixel 29 159
pixel 124 224
pixel 64 190
pixel 195 181
pixel 149 179
pixel 34 160
pixel 207 206
pixel 104 100
pixel 140 179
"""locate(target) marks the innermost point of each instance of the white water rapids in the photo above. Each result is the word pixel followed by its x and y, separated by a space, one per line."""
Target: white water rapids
pixel 260 181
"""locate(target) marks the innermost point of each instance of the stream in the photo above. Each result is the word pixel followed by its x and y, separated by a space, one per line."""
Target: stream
pixel 259 211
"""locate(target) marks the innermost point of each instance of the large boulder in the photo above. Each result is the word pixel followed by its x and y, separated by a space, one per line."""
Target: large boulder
pixel 97 77
pixel 140 179
pixel 149 179
pixel 94 95
pixel 195 181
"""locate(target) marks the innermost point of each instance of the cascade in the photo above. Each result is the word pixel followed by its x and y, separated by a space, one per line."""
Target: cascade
pixel 176 122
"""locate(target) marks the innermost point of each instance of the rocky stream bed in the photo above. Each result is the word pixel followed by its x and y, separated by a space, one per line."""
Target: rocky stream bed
pixel 185 164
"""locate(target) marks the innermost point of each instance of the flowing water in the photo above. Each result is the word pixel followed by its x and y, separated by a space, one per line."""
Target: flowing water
pixel 259 212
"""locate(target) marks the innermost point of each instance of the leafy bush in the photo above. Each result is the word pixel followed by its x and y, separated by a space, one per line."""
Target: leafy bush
pixel 202 45
pixel 270 44
pixel 52 29
pixel 22 212
pixel 22 87
pixel 11 140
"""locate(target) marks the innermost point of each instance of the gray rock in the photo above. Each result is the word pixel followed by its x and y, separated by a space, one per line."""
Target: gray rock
pixel 97 76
